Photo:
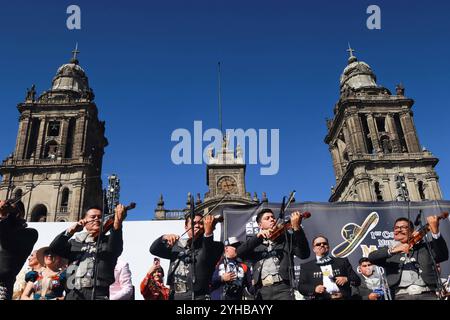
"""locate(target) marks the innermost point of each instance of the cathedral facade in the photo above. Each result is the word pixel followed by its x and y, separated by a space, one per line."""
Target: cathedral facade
pixel 57 162
pixel 374 143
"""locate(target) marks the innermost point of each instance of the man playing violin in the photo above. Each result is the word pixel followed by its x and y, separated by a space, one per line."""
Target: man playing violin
pixel 81 252
pixel 273 258
pixel 409 268
pixel 181 270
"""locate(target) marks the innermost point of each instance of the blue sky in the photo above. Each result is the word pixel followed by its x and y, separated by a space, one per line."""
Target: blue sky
pixel 152 65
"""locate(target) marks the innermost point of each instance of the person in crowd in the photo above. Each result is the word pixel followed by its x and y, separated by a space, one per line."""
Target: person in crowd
pixel 409 268
pixel 371 282
pixel 49 282
pixel 82 255
pixel 183 268
pixel 327 277
pixel 26 274
pixel 272 259
pixel 231 276
pixel 152 286
pixel 16 243
pixel 122 288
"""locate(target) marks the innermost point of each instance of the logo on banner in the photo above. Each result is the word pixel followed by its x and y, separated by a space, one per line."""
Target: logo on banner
pixel 354 234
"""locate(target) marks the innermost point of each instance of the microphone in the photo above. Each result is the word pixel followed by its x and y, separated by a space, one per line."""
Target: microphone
pixel 418 219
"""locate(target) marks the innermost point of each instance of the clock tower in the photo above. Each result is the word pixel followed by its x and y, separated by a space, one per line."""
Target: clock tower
pixel 225 172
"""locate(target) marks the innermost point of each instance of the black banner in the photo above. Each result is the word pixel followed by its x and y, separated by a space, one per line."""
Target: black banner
pixel 354 229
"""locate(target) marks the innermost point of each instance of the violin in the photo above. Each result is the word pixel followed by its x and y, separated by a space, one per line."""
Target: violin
pixel 418 235
pixel 109 219
pixel 217 218
pixel 285 225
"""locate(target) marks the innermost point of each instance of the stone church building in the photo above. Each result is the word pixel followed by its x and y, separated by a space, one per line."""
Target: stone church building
pixel 57 160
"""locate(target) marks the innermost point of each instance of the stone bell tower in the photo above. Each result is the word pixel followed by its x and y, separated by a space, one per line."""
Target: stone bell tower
pixel 373 142
pixel 59 149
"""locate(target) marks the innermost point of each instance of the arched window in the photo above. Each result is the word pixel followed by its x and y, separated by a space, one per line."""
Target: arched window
pixel 378 193
pixel 39 213
pixel 421 190
pixel 51 149
pixel 64 200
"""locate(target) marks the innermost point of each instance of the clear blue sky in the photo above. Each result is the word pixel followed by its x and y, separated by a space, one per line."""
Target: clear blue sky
pixel 152 65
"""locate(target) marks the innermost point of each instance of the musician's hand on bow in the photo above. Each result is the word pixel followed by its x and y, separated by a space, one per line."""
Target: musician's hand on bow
pixel 208 225
pixel 265 234
pixel 77 227
pixel 296 219
pixel 340 281
pixel 171 239
pixel 119 216
pixel 433 222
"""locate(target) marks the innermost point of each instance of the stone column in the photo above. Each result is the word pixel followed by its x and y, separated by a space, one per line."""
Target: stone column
pixel 336 161
pixel 364 190
pixel 356 134
pixel 79 136
pixel 373 133
pixel 409 131
pixel 388 194
pixel 22 136
pixel 41 139
pixel 64 133
pixel 76 205
pixel 390 124
pixel 433 190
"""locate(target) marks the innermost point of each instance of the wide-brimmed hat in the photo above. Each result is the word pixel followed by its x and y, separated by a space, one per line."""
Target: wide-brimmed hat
pixel 354 234
pixel 45 250
pixel 232 241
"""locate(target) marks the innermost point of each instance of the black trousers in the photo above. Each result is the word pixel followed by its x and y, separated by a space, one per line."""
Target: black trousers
pixel 278 291
pixel 101 293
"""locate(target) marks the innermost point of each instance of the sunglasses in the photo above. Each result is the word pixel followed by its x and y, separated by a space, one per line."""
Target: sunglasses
pixel 319 244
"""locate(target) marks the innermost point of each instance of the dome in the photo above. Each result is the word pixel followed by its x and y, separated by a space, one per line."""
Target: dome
pixel 71 77
pixel 357 74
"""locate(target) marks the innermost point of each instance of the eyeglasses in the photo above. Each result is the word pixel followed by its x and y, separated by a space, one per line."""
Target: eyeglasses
pixel 320 244
pixel 401 228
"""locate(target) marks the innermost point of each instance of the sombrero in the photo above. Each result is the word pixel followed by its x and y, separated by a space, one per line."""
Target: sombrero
pixel 40 257
pixel 354 235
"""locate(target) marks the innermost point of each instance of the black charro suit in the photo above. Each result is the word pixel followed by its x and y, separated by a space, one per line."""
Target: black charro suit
pixel 311 277
pixel 207 253
pixel 393 264
pixel 255 250
pixel 16 244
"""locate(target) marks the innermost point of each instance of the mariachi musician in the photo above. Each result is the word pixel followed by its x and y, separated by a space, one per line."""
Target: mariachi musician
pixel 16 243
pixel 409 267
pixel 272 258
pixel 81 252
pixel 188 280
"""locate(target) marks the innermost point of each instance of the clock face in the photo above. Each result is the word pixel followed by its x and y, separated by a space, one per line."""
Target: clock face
pixel 227 184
